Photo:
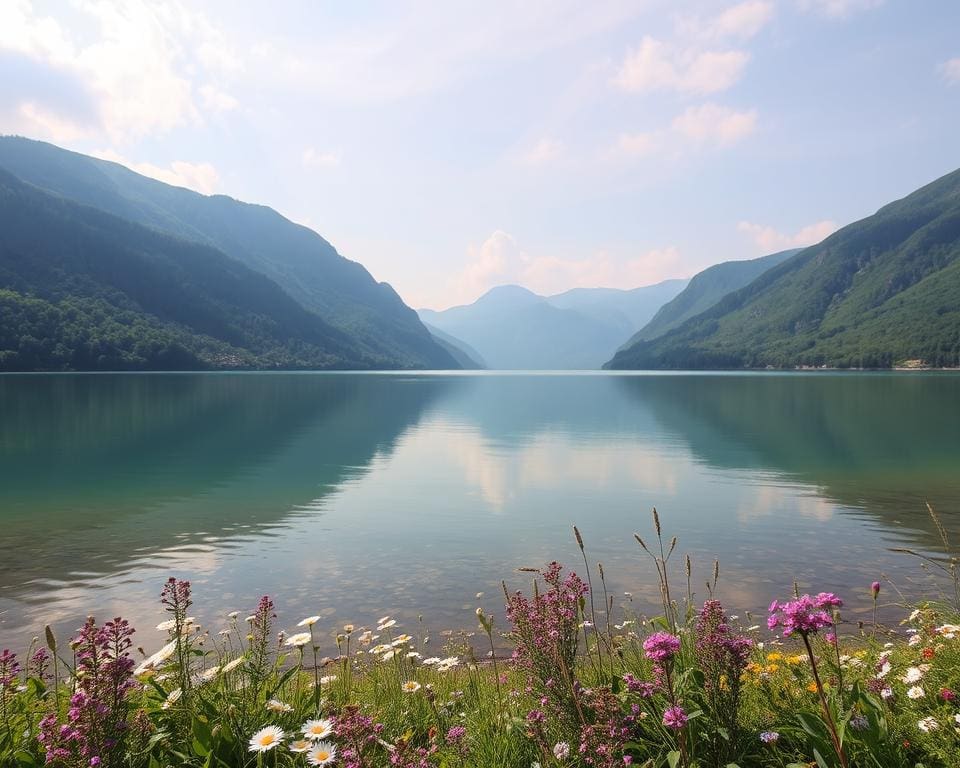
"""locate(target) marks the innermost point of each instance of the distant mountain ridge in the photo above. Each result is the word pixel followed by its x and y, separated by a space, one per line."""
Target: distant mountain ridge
pixel 365 324
pixel 342 293
pixel 513 328
pixel 880 292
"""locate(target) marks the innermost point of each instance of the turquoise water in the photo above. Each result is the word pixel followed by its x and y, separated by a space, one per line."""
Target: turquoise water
pixel 358 495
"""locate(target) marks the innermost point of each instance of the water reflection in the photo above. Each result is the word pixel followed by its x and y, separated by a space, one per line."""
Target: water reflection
pixel 357 495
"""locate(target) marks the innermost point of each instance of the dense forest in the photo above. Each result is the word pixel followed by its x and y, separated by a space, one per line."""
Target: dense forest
pixel 881 292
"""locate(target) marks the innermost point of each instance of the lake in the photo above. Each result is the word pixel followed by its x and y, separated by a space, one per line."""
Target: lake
pixel 358 495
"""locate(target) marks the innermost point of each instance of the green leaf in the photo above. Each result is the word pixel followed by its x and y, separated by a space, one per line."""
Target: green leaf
pixel 819 758
pixel 673 758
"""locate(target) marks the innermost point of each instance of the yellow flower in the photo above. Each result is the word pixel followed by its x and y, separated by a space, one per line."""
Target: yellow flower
pixel 798 659
pixel 771 668
pixel 775 656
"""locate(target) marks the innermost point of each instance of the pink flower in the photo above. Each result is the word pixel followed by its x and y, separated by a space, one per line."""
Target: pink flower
pixel 805 615
pixel 661 646
pixel 675 717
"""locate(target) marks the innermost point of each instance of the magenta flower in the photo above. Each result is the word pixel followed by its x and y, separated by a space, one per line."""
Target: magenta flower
pixel 875 588
pixel 661 646
pixel 674 717
pixel 805 615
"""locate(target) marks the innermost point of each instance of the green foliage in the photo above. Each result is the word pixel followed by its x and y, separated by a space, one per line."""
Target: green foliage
pixel 354 321
pixel 877 293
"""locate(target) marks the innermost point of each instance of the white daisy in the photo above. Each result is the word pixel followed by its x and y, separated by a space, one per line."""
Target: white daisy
pixel 389 655
pixel 386 625
pixel 309 621
pixel 275 705
pixel 322 753
pixel 912 675
pixel 300 745
pixel 317 729
pixel 928 724
pixel 157 659
pixel 232 665
pixel 916 692
pixel 299 640
pixel 326 679
pixel 432 660
pixel 172 698
pixel 411 686
pixel 233 614
pixel 266 739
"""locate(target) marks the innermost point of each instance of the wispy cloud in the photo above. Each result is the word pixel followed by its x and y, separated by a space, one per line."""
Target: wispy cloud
pixel 838 9
pixel 544 151
pixel 656 65
pixel 769 240
pixel 713 123
pixel 951 70
pixel 314 158
pixel 201 177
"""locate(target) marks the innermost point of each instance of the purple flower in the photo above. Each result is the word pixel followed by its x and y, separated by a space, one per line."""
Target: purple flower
pixel 674 717
pixel 769 737
pixel 948 695
pixel 875 588
pixel 645 689
pixel 661 646
pixel 805 615
pixel 859 722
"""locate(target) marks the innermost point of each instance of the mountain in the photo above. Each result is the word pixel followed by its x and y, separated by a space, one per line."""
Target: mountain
pixel 342 293
pixel 632 308
pixel 468 358
pixel 705 289
pixel 881 291
pixel 81 289
pixel 513 328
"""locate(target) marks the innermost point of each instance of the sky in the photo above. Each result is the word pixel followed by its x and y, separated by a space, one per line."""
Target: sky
pixel 454 146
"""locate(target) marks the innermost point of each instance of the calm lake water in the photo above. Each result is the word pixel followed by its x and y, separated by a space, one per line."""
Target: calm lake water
pixel 358 495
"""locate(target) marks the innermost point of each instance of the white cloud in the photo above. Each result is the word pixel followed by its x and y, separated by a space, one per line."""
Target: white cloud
pixel 743 20
pixel 544 151
pixel 838 9
pixel 640 144
pixel 217 100
pixel 769 240
pixel 138 61
pixel 712 123
pixel 500 260
pixel 951 70
pixel 200 177
pixel 656 65
pixel 314 158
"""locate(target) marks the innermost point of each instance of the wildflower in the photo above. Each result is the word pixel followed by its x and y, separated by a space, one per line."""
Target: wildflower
pixel 916 692
pixel 455 735
pixel 948 695
pixel 207 675
pixel 300 745
pixel 299 640
pixel 233 614
pixel 886 693
pixel 674 717
pixel 875 589
pixel 348 628
pixel 317 729
pixel 912 675
pixel 859 722
pixel 769 737
pixel 232 665
pixel 411 686
pixel 327 679
pixel 154 661
pixel 661 646
pixel 388 655
pixel 275 705
pixel 172 698
pixel 561 750
pixel 928 724
pixel 266 739
pixel 806 614
pixel 309 621
pixel 322 753
pixel 386 625
pixel 432 660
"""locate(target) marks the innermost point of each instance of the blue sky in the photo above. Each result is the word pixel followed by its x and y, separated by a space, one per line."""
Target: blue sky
pixel 454 146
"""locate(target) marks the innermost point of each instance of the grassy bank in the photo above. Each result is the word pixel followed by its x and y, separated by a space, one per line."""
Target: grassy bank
pixel 584 686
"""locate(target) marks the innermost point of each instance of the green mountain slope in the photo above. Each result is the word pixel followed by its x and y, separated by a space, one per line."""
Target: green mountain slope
pixel 880 291
pixel 705 289
pixel 297 259
pixel 81 289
